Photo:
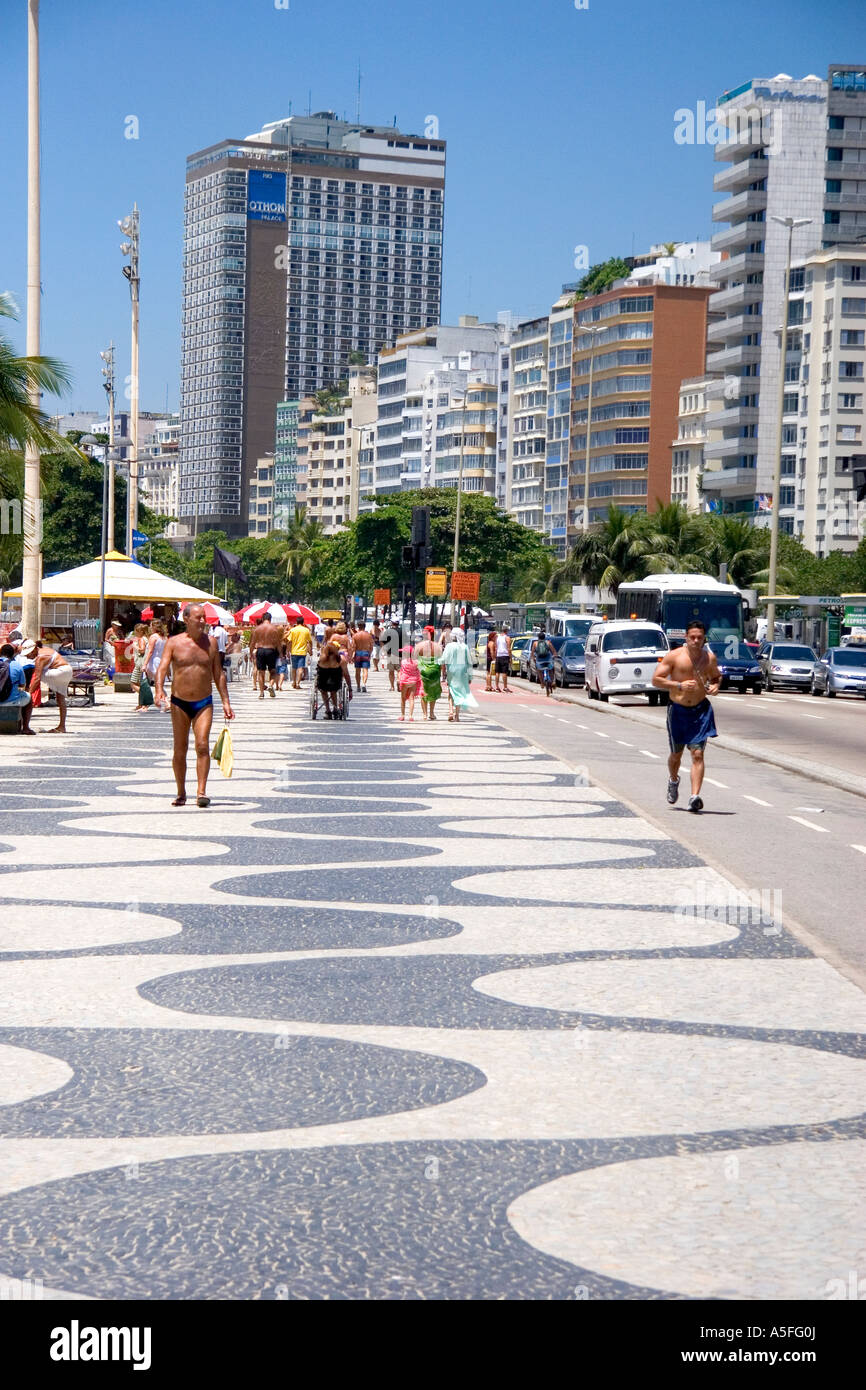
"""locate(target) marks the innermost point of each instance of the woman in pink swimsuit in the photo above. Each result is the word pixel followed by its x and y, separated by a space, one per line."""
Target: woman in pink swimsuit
pixel 409 681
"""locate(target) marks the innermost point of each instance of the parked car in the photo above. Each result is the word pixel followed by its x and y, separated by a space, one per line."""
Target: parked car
pixel 841 671
pixel 738 666
pixel 517 645
pixel 569 664
pixel 788 663
pixel 621 658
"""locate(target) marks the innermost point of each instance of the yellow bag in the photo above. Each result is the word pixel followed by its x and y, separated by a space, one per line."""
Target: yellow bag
pixel 223 753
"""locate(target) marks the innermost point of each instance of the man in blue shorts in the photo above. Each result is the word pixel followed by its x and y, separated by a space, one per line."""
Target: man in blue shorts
pixel 690 674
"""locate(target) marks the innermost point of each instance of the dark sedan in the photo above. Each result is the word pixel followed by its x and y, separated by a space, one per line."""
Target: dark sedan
pixel 569 666
pixel 738 666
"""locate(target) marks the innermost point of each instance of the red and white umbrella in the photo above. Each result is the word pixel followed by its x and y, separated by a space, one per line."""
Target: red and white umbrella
pixel 277 612
pixel 309 615
pixel 251 612
pixel 214 614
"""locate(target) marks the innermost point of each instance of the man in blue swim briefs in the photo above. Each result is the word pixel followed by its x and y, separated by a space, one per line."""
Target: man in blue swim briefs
pixel 196 665
pixel 690 674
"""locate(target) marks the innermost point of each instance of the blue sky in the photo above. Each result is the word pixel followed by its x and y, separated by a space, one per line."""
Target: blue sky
pixel 559 125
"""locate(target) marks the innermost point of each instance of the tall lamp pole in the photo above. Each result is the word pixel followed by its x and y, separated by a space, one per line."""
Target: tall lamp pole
pixel 108 373
pixel 32 568
pixel 592 332
pixel 459 496
pixel 130 247
pixel 790 223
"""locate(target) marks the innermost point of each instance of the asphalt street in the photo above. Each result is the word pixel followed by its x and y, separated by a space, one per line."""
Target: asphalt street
pixel 773 830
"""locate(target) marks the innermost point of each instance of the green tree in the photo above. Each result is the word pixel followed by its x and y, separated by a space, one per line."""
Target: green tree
pixel 608 555
pixel 296 551
pixel 600 277
pixel 676 541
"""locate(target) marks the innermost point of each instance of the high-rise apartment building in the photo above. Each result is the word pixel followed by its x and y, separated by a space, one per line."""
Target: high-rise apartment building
pixel 334 445
pixel 527 421
pixel 633 346
pixel 305 243
pixel 688 460
pixel 286 463
pixel 794 148
pixel 824 426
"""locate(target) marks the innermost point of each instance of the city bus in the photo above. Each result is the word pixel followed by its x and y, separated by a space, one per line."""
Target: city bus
pixel 672 600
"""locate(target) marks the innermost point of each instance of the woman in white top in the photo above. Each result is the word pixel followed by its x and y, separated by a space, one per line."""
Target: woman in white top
pixel 153 655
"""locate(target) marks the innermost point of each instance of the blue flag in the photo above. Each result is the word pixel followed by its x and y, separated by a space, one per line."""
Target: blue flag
pixel 139 539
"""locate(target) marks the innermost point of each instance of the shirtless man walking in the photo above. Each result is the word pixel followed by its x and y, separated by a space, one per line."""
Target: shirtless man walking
pixel 196 665
pixel 690 673
pixel 265 642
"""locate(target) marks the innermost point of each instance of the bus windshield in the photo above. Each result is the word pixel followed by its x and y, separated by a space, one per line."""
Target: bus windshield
pixel 722 614
pixel 578 627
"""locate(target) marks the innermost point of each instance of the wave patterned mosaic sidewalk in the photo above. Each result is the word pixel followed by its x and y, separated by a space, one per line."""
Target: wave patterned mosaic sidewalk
pixel 407 1013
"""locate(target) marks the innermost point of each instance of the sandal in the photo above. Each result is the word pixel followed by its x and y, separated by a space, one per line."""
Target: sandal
pixel 202 801
pixel 179 801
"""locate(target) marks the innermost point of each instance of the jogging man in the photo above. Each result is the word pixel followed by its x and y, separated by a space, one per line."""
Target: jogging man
pixel 196 666
pixel 362 656
pixel 690 674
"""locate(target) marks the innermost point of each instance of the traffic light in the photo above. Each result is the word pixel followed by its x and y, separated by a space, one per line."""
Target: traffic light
pixel 408 554
pixel 421 527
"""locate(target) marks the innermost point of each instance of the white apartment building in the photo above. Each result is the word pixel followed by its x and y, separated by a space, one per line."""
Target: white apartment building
pixel 688 264
pixel 261 493
pixel 159 445
pixel 421 382
pixel 788 144
pixel 825 422
pixel 337 445
pixel 527 421
pixel 688 463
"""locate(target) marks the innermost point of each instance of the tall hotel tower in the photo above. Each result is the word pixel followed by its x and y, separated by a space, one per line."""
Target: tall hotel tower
pixel 306 242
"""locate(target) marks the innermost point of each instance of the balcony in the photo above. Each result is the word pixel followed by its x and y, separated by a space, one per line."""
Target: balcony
pixel 748 263
pixel 730 448
pixel 738 237
pixel 735 208
pixel 846 200
pixel 728 358
pixel 732 418
pixel 735 297
pixel 725 329
pixel 745 172
pixel 845 168
pixel 730 482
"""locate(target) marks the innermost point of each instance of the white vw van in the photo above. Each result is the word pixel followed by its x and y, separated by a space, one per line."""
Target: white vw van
pixel 621 658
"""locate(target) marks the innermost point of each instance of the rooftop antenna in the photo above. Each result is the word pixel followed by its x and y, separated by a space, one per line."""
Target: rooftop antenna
pixel 358 107
pixel 310 102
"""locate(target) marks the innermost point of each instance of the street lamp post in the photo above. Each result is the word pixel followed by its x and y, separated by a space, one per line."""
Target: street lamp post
pixel 459 496
pixel 592 332
pixel 108 373
pixel 130 228
pixel 32 567
pixel 790 223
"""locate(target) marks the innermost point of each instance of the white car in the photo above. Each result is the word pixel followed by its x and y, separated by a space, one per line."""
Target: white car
pixel 621 659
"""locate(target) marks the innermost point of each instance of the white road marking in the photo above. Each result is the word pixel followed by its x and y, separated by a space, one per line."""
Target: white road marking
pixel 810 824
pixel 862 848
pixel 647 753
pixel 624 744
pixel 599 734
pixel 816 810
pixel 804 715
pixel 563 721
pixel 757 800
pixel 713 783
pixel 582 726
pixel 545 715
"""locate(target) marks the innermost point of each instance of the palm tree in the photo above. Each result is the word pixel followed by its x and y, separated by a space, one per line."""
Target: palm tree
pixel 296 549
pixel 734 541
pixel 676 541
pixel 535 584
pixel 21 422
pixel 607 556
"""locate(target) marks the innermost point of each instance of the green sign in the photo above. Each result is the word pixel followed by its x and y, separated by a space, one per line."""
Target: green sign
pixel 834 631
pixel 855 615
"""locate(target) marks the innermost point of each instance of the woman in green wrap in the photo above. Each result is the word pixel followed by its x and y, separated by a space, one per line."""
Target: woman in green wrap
pixel 458 667
pixel 428 654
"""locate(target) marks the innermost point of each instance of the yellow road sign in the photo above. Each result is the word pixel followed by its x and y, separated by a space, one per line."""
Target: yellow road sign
pixel 435 583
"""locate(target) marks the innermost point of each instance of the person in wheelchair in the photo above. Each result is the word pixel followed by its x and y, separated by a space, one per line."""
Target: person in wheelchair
pixel 331 672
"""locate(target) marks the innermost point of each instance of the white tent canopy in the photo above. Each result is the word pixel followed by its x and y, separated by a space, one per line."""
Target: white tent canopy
pixel 124 579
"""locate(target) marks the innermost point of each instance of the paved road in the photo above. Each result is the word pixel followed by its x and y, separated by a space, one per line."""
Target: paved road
pixel 774 831
pixel 392 1016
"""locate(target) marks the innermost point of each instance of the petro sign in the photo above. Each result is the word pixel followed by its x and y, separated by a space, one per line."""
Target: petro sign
pixel 266 196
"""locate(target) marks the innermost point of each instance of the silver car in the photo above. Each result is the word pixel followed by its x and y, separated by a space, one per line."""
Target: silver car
pixel 841 670
pixel 788 663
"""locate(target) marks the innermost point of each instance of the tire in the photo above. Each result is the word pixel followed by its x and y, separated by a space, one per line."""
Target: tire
pixel 664 697
pixel 831 694
pixel 652 697
pixel 604 698
pixel 590 693
pixel 813 690
pixel 769 686
pixel 757 690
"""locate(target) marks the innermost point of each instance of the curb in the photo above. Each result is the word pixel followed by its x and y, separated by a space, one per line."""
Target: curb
pixel 831 777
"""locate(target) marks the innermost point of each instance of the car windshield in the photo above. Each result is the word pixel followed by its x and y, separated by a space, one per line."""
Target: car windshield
pixel 732 650
pixel 849 658
pixel 572 648
pixel 578 627
pixel 793 654
pixel 632 639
